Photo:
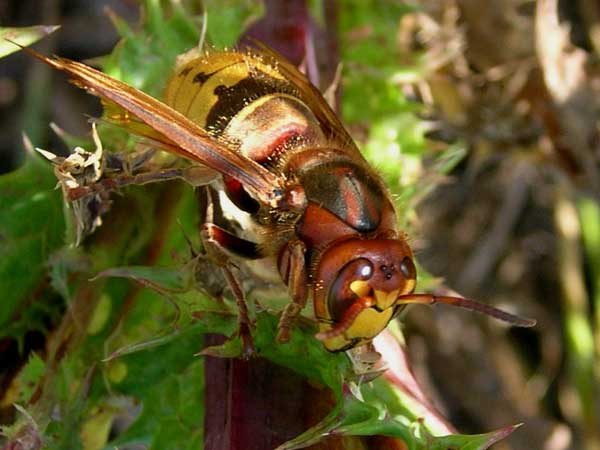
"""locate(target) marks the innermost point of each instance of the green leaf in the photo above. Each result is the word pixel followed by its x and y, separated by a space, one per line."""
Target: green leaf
pixel 362 419
pixel 207 323
pixel 29 377
pixel 23 36
pixel 303 353
pixel 469 442
pixel 31 228
pixel 168 381
pixel 369 93
pixel 355 417
pixel 159 278
pixel 227 19
pixel 144 58
pixel 230 349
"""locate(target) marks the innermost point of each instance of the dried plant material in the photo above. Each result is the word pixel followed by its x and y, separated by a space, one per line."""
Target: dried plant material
pixel 522 97
pixel 566 77
pixel 80 169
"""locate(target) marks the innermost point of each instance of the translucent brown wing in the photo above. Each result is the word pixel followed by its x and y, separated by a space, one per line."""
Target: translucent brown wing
pixel 179 134
pixel 115 115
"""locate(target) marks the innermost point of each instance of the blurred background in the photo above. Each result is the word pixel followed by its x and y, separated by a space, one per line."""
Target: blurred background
pixel 516 223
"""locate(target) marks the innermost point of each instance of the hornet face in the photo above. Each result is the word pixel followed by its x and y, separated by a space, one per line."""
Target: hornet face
pixel 356 302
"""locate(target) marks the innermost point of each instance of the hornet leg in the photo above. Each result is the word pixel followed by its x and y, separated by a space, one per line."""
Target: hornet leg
pixel 294 274
pixel 217 243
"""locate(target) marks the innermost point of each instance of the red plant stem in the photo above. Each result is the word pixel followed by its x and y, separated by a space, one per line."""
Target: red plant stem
pixel 257 405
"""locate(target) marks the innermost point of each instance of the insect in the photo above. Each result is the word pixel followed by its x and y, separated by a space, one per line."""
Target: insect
pixel 319 217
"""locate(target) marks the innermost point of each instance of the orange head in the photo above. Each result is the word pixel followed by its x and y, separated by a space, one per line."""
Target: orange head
pixel 357 285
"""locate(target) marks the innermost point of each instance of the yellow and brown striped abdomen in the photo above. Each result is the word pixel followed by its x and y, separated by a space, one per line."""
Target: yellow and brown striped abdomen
pixel 243 100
